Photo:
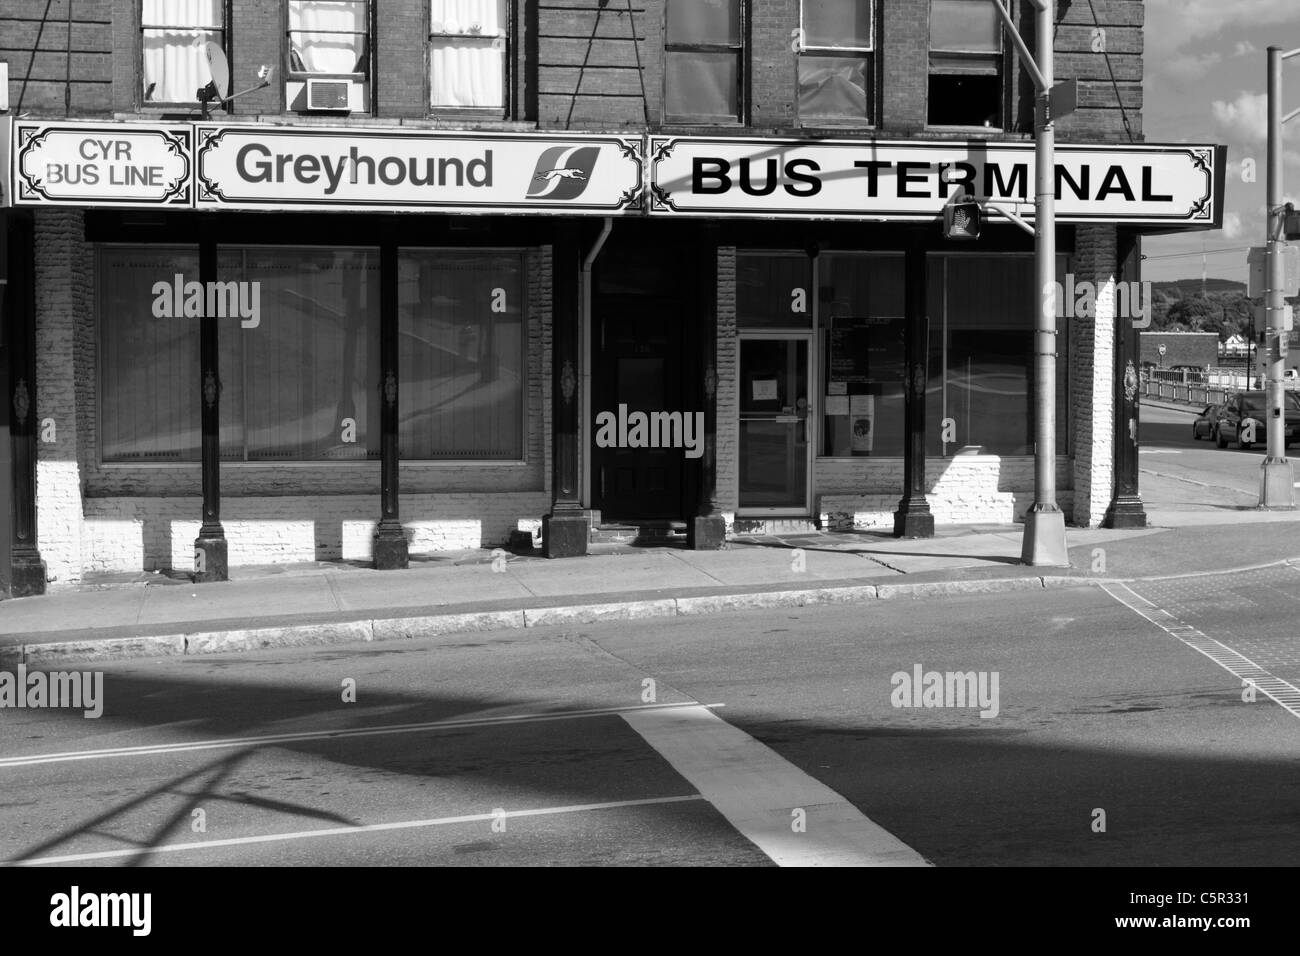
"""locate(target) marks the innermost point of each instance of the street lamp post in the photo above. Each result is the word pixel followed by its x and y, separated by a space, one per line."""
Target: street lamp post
pixel 1276 486
pixel 1044 537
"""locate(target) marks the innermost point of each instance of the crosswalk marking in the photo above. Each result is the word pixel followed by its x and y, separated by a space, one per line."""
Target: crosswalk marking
pixel 757 791
pixel 1283 693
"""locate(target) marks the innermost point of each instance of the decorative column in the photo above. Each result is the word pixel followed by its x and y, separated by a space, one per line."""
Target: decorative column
pixel 567 529
pixel 27 568
pixel 1126 510
pixel 913 518
pixel 707 530
pixel 391 550
pixel 211 560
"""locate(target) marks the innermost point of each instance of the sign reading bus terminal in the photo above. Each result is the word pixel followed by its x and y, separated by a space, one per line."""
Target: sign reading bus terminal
pixel 209 166
pixel 872 179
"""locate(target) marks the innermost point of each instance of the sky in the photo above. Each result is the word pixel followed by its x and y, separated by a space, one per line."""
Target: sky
pixel 1205 82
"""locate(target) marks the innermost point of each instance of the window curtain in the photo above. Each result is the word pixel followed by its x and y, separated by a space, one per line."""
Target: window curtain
pixel 462 355
pixel 174 31
pixel 313 360
pixel 327 37
pixel 467 53
pixel 149 390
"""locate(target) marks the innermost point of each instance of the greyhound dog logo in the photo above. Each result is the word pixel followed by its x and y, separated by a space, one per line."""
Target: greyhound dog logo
pixel 563 172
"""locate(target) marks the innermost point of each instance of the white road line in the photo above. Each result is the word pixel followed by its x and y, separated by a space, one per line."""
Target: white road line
pixel 344 831
pixel 267 740
pixel 1283 693
pixel 757 791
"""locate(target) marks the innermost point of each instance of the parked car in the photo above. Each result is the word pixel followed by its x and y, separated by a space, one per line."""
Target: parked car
pixel 1207 422
pixel 1247 407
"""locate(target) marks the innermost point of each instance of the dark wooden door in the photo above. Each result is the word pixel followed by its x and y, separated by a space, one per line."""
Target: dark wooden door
pixel 641 313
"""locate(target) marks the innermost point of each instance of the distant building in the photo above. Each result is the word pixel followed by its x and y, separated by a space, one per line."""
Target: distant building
pixel 1182 349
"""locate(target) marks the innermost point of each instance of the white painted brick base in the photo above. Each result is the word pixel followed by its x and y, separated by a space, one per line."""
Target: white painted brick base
pixel 134 534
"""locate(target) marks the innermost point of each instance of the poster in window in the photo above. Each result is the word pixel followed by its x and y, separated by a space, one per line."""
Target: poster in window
pixel 862 412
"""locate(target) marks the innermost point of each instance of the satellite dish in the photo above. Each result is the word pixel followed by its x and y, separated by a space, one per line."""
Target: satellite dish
pixel 218 68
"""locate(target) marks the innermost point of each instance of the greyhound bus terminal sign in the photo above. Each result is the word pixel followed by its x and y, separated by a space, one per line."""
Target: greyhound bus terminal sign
pixel 259 168
pixel 212 166
pixel 874 180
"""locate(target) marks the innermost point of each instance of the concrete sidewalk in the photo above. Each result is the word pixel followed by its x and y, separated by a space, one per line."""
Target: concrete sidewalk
pixel 471 591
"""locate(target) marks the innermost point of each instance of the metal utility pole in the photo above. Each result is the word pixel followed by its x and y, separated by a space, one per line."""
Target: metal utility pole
pixel 1276 486
pixel 1044 537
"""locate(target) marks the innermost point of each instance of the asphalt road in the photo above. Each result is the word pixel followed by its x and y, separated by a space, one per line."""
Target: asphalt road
pixel 1178 473
pixel 487 751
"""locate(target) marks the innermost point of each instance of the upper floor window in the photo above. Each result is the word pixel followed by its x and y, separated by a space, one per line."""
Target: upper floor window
pixel 966 64
pixel 835 48
pixel 703 53
pixel 173 34
pixel 468 54
pixel 329 37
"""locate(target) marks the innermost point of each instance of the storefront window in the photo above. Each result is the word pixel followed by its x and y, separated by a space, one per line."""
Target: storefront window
pixel 774 290
pixel 981 381
pixel 148 366
pixel 862 336
pixel 299 385
pixel 462 365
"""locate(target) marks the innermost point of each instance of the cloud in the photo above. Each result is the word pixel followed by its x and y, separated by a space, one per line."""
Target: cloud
pixel 1244 48
pixel 1173 24
pixel 1190 66
pixel 1232 226
pixel 1245 118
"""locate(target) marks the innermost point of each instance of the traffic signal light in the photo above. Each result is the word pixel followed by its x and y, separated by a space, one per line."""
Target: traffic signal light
pixel 962 218
pixel 1290 223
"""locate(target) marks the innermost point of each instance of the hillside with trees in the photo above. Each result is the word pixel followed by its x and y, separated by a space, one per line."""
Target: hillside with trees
pixel 1181 306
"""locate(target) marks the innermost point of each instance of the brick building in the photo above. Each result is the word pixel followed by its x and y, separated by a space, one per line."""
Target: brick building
pixel 663 263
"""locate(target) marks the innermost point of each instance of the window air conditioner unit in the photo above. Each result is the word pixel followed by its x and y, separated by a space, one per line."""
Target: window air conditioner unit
pixel 329 95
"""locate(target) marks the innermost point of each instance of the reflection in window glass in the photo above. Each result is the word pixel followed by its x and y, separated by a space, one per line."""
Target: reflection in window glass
pixel 149 366
pixel 309 365
pixel 837 24
pixel 462 366
pixel 835 66
pixel 981 377
pixel 774 291
pixel 833 88
pixel 965 87
pixel 862 334
pixel 703 21
pixel 702 62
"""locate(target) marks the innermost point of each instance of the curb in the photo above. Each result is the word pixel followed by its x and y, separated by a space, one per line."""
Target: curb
pixel 190 643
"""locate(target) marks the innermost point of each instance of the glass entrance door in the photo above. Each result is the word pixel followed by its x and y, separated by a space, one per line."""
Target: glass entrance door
pixel 774 415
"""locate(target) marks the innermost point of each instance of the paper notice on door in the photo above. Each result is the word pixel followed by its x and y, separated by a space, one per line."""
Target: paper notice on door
pixel 863 413
pixel 837 388
pixel 837 404
pixel 765 390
